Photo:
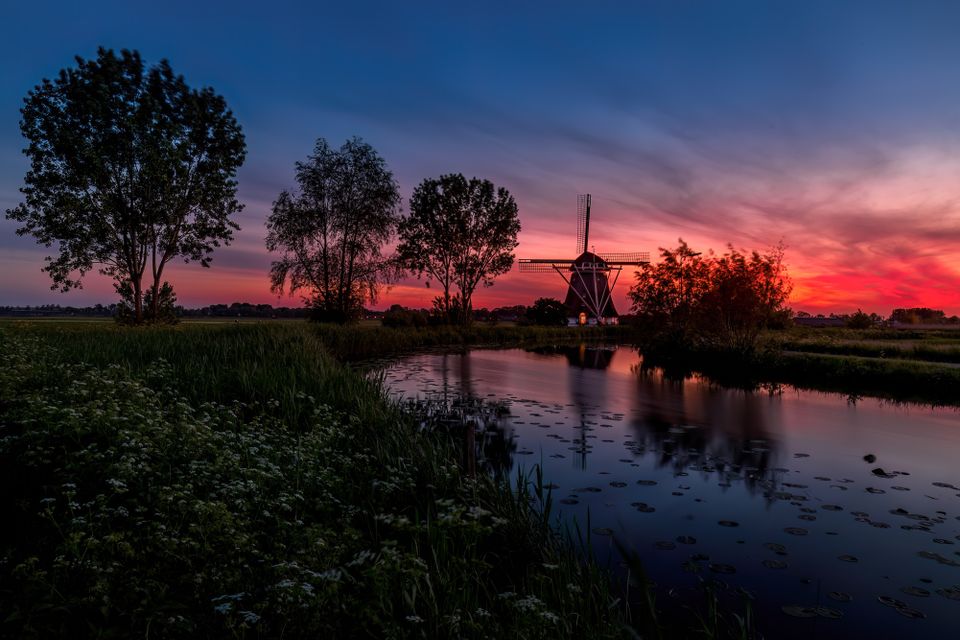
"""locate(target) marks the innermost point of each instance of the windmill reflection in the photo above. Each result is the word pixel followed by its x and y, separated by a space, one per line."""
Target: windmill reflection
pixel 588 386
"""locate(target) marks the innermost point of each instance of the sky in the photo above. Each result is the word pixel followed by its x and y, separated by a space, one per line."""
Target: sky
pixel 831 126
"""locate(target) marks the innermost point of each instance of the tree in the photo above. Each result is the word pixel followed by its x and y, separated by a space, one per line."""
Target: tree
pixel 860 320
pixel 459 233
pixel 721 300
pixel 665 291
pixel 331 233
pixel 129 169
pixel 547 311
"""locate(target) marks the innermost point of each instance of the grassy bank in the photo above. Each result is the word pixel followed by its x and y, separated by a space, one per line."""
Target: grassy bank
pixel 238 481
pixel 911 367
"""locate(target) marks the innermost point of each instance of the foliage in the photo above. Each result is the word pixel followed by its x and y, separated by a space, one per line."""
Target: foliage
pixel 860 320
pixel 918 315
pixel 330 233
pixel 129 169
pixel 398 317
pixel 548 312
pixel 448 309
pixel 142 503
pixel 459 233
pixel 163 312
pixel 724 301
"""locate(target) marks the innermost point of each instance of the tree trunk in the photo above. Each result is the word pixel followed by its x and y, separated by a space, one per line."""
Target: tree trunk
pixel 138 299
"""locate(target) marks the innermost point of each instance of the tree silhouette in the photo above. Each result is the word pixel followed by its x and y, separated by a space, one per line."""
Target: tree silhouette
pixel 331 233
pixel 460 233
pixel 129 169
pixel 723 301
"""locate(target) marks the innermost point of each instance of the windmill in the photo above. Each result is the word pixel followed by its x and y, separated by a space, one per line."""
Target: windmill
pixel 589 287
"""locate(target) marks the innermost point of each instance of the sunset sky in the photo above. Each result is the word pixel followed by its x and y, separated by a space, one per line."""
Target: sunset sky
pixel 833 126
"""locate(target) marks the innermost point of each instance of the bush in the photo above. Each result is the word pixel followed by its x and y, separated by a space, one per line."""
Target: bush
pixel 548 312
pixel 397 317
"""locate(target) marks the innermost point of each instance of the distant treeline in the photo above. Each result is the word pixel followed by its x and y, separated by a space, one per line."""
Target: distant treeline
pixel 235 310
pixel 911 316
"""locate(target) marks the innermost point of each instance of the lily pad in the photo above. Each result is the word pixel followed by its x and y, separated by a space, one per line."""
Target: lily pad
pixel 910 612
pixel 776 548
pixel 848 558
pixel 796 531
pixel 774 564
pixel 686 540
pixel 831 507
pixel 665 545
pixel 728 523
pixel 827 612
pixel 722 568
pixel 840 596
pixel 891 602
pixel 919 592
pixel 569 501
pixel 950 593
pixel 646 483
pixel 799 611
pixel 618 484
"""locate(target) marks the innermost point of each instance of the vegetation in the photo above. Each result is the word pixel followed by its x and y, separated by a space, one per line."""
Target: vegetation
pixel 129 169
pixel 910 366
pixel 214 481
pixel 459 233
pixel 548 312
pixel 330 234
pixel 717 302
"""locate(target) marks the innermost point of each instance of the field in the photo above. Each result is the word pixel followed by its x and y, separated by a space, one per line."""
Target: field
pixel 221 480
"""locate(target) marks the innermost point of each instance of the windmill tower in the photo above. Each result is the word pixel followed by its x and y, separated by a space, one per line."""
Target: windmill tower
pixel 588 276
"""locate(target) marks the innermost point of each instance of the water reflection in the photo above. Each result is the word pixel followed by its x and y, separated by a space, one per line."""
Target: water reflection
pixel 487 433
pixel 692 425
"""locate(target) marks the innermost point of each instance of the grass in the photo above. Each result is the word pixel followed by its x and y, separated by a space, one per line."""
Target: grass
pixel 238 481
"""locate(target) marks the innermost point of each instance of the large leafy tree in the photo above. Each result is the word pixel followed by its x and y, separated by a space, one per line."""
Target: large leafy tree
pixel 331 232
pixel 130 168
pixel 460 233
pixel 723 301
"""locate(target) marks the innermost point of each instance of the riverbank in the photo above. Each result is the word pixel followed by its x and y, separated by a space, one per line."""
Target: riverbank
pixel 897 365
pixel 214 481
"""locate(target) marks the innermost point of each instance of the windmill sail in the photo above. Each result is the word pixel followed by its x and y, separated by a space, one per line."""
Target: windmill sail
pixel 583 222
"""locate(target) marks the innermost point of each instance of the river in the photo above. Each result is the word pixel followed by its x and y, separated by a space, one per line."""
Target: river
pixel 838 516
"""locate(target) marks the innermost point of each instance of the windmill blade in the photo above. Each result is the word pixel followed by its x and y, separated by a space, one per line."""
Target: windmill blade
pixel 633 258
pixel 542 266
pixel 583 222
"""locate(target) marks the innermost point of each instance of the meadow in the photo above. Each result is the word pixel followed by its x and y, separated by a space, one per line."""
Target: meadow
pixel 219 480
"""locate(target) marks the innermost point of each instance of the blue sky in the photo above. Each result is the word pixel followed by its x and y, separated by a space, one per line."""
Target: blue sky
pixel 834 126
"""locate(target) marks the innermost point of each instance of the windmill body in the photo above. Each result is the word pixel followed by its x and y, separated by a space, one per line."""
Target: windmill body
pixel 588 276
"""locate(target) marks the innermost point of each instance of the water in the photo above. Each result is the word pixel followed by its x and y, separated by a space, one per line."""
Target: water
pixel 700 481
